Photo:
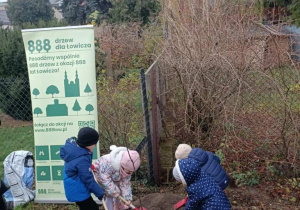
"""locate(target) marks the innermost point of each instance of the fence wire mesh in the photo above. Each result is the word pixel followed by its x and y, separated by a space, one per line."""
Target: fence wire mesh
pixel 258 127
pixel 16 131
pixel 231 88
pixel 120 115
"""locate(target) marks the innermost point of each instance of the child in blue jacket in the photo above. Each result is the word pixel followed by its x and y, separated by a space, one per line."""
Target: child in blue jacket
pixel 79 181
pixel 209 163
pixel 203 192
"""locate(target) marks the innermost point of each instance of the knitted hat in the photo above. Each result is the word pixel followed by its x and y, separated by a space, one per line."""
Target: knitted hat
pixel 182 151
pixel 131 161
pixel 87 136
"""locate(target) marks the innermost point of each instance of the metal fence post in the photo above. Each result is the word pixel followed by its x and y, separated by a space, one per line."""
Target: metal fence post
pixel 147 125
pixel 155 136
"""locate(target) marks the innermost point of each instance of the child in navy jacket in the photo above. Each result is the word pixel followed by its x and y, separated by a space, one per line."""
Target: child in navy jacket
pixel 79 181
pixel 203 192
pixel 209 163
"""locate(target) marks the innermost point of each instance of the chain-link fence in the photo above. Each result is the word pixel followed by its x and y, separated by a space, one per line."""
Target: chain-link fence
pixel 120 114
pixel 123 116
pixel 16 131
pixel 230 85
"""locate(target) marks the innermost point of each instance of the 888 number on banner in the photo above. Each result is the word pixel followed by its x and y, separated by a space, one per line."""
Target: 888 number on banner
pixel 39 45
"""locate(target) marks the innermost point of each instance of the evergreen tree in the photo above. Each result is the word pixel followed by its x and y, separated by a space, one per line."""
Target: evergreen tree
pixel 295 10
pixel 12 53
pixel 20 11
pixel 133 10
pixel 87 89
pixel 77 12
pixel 292 5
pixel 76 107
pixel 276 3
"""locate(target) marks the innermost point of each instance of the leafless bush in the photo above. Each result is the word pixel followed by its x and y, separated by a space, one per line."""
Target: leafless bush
pixel 119 43
pixel 121 120
pixel 220 63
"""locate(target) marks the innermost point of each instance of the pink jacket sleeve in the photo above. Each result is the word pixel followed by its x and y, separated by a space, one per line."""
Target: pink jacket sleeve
pixel 104 175
pixel 125 187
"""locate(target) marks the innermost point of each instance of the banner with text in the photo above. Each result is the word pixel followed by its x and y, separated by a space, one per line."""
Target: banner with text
pixel 61 69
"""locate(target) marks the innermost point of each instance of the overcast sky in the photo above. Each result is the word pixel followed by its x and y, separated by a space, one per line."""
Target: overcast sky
pixel 3 0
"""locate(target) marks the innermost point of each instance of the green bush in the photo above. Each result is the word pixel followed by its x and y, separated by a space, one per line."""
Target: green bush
pixel 120 111
pixel 12 53
pixel 15 97
pixel 14 85
pixel 248 178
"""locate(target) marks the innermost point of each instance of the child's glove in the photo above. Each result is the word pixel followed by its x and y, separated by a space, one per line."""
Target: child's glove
pixel 93 168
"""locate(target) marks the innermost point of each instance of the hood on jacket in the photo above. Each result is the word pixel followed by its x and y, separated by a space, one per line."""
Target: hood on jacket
pixel 189 170
pixel 116 156
pixel 200 155
pixel 72 150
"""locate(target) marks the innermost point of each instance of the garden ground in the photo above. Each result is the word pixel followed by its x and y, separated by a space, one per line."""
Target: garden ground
pixel 281 193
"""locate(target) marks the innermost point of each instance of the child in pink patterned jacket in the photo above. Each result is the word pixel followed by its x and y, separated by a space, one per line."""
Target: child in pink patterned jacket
pixel 113 172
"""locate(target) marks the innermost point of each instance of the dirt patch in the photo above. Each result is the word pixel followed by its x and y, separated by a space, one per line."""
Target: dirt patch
pixel 159 201
pixel 277 194
pixel 7 121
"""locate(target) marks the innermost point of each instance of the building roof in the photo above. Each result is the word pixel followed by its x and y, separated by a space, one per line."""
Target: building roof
pixel 3 18
pixel 55 2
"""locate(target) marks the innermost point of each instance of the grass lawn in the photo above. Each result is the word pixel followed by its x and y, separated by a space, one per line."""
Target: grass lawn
pixel 21 138
pixel 12 139
pixel 32 206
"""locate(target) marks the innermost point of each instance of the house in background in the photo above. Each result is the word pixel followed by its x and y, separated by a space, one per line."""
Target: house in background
pixel 56 4
pixel 3 15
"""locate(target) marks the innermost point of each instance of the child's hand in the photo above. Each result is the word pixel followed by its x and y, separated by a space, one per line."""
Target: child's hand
pixel 128 203
pixel 117 192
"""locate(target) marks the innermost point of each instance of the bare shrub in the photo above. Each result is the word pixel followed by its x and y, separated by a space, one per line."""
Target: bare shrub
pixel 124 47
pixel 221 64
pixel 120 112
pixel 122 51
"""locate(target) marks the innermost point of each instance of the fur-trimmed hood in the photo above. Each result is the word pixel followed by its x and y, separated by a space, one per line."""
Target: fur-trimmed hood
pixel 179 172
pixel 116 156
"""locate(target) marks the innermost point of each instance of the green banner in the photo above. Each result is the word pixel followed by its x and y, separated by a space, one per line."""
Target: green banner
pixel 61 68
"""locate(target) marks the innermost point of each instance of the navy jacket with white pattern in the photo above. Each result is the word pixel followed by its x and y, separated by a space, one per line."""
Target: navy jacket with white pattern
pixel 203 192
pixel 210 164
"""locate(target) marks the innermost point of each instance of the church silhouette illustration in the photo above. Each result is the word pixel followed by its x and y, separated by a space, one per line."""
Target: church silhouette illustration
pixel 71 88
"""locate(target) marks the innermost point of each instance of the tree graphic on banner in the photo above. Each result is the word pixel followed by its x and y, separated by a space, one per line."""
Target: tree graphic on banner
pixel 52 89
pixel 35 92
pixel 87 89
pixel 76 107
pixel 89 108
pixel 37 111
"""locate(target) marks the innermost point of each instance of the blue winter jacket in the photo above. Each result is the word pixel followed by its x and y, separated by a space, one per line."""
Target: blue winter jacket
pixel 203 192
pixel 210 164
pixel 79 181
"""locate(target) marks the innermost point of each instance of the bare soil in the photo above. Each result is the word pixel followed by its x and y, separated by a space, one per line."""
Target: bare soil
pixel 158 201
pixel 7 121
pixel 274 194
pixel 278 194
